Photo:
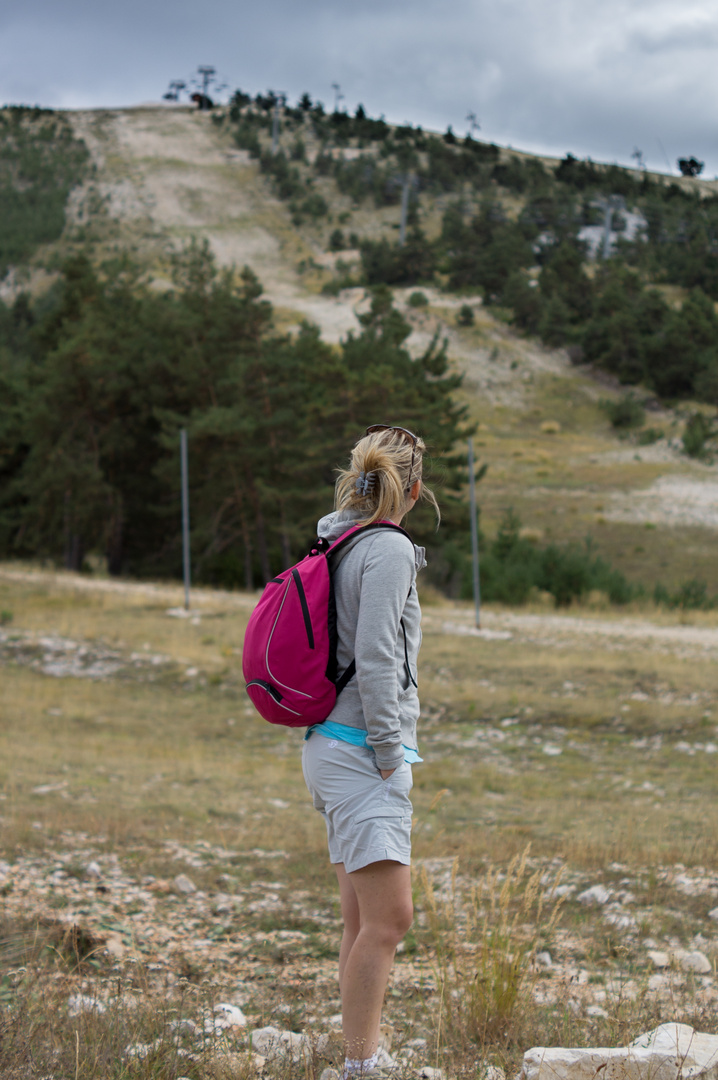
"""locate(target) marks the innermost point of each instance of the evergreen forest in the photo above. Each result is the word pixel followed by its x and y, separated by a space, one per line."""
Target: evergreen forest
pixel 99 372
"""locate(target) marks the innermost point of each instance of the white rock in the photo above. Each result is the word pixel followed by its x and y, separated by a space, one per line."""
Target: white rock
pixel 427 1073
pixel 142 1050
pixel 184 1027
pixel 620 920
pixel 597 894
pixel 494 1072
pixel 595 1010
pixel 265 1040
pixel 184 884
pixel 669 1052
pixel 93 870
pixel 543 959
pixel 658 958
pixel 114 945
pixel 657 982
pixel 230 1015
pixel 713 914
pixel 417 1044
pixel 273 1043
pixel 81 1003
pixel 694 961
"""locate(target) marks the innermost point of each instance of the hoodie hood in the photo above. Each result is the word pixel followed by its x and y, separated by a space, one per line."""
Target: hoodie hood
pixel 334 525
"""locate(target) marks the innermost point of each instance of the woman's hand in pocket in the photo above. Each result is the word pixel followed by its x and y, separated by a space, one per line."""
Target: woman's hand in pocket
pixel 386 773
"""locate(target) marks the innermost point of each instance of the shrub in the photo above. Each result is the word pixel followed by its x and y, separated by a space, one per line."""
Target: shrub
pixel 314 206
pixel 465 316
pixel 698 431
pixel 625 413
pixel 513 566
pixel 247 138
pixel 391 264
pixel 418 300
pixel 336 241
pixel 691 595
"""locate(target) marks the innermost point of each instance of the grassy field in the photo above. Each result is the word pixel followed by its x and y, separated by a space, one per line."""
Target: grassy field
pixel 130 761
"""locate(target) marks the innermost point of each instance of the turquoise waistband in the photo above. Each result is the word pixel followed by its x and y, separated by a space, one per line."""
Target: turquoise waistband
pixel 344 733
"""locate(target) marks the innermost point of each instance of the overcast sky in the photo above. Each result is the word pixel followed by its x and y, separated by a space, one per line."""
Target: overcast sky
pixel 594 77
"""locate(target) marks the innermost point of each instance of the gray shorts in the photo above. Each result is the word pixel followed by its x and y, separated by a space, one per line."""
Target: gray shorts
pixel 368 819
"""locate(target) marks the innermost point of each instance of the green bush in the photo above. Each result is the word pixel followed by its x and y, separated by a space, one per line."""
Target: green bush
pixel 513 567
pixel 418 300
pixel 314 206
pixel 465 316
pixel 336 241
pixel 392 264
pixel 625 413
pixel 698 431
pixel 246 138
pixel 691 595
pixel 649 436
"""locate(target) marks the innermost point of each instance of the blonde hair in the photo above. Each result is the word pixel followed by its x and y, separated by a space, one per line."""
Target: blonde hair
pixel 385 458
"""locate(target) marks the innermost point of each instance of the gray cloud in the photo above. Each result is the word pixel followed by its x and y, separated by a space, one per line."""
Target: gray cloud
pixel 546 75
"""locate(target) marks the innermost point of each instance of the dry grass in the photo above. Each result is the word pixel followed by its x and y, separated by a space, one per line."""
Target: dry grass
pixel 595 750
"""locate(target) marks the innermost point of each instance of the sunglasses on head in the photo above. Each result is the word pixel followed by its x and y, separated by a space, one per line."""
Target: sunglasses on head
pixel 404 431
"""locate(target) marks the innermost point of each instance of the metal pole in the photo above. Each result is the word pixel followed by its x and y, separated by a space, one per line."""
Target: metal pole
pixel 185 515
pixel 474 535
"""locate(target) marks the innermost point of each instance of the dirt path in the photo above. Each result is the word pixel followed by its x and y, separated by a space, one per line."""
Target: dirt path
pixel 562 631
pixel 547 630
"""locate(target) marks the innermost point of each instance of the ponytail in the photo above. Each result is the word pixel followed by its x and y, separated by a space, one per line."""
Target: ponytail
pixel 380 477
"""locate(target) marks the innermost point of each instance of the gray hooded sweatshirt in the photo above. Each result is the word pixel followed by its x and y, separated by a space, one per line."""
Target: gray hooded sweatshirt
pixel 375 588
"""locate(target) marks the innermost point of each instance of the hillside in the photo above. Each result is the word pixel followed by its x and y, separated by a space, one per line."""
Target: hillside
pixel 163 176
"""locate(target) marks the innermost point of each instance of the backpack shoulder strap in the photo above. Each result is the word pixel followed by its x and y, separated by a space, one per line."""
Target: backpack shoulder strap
pixel 361 530
pixel 358 531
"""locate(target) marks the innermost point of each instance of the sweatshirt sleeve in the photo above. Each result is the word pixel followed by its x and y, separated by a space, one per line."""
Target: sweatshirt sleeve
pixel 386 581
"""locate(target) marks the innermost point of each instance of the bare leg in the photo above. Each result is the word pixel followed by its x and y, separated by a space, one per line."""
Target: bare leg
pixel 382 892
pixel 350 918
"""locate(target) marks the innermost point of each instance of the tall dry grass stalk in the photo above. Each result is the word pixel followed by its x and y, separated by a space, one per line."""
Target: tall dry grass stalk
pixel 483 944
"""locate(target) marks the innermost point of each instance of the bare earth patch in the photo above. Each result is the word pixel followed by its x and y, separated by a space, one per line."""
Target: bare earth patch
pixel 671 500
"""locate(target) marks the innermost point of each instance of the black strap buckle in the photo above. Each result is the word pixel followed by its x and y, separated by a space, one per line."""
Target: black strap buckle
pixel 320 546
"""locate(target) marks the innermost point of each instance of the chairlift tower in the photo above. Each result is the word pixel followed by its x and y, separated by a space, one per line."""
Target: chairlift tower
pixel 338 95
pixel 207 72
pixel 637 155
pixel 474 124
pixel 613 202
pixel 176 86
pixel 280 100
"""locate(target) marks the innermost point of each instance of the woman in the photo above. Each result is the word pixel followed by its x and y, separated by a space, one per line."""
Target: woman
pixel 357 764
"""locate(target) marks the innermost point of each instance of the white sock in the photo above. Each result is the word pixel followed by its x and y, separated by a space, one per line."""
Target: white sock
pixel 357 1066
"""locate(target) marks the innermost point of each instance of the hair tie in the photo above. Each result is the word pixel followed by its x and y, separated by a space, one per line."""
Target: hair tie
pixel 365 483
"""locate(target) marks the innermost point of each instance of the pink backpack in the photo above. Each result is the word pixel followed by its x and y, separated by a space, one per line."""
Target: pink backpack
pixel 289 659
